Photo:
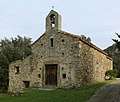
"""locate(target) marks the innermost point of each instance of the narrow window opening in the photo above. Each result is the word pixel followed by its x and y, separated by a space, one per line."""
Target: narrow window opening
pixel 39 75
pixel 64 76
pixel 40 68
pixel 51 40
pixel 41 44
pixel 62 68
pixel 17 70
pixel 52 18
pixel 63 40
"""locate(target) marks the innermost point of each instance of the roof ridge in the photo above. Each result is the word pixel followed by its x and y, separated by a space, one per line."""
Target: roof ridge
pixel 85 41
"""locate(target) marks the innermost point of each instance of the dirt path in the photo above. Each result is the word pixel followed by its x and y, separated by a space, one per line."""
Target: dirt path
pixel 108 93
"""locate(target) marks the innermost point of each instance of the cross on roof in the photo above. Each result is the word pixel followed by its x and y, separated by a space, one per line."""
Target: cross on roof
pixel 53 7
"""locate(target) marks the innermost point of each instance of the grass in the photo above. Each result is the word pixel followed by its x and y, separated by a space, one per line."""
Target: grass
pixel 82 94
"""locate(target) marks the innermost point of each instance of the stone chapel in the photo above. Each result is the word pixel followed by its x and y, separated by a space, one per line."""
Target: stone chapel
pixel 59 59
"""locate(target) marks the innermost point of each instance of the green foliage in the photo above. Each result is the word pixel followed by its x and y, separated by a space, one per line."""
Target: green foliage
pixel 86 38
pixel 114 53
pixel 11 50
pixel 82 94
pixel 3 72
pixel 117 41
pixel 16 48
pixel 111 73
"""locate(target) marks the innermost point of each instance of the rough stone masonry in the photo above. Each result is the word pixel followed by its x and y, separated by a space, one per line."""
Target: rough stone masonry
pixel 59 59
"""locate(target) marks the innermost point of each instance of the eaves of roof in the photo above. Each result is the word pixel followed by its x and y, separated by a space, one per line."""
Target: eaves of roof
pixel 86 42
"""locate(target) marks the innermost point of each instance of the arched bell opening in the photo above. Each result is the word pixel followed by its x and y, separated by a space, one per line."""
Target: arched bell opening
pixel 52 18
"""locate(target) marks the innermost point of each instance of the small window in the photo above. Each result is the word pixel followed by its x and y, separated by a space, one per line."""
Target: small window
pixel 63 40
pixel 39 75
pixel 64 76
pixel 41 56
pixel 41 44
pixel 16 69
pixel 51 42
pixel 62 53
pixel 62 68
pixel 26 84
pixel 40 68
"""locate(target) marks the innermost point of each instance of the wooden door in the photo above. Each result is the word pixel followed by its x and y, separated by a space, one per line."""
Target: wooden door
pixel 51 74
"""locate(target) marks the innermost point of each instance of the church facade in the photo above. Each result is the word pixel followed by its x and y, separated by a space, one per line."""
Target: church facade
pixel 59 59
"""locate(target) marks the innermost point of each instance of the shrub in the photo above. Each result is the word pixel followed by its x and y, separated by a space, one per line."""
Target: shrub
pixel 118 75
pixel 111 74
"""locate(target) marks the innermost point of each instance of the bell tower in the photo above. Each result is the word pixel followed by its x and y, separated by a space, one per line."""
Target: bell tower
pixel 53 21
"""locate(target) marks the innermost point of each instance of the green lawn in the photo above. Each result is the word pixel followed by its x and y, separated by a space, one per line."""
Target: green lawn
pixel 59 95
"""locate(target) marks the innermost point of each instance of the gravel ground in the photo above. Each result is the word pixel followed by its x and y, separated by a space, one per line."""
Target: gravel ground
pixel 108 93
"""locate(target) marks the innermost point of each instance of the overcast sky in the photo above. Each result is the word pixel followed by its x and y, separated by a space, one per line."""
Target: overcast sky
pixel 97 19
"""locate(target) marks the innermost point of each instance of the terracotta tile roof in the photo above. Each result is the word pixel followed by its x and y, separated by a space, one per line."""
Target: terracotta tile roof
pixel 81 39
pixel 85 41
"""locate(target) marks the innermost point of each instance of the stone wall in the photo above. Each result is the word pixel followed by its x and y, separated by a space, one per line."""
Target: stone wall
pixel 85 69
pixel 101 64
pixel 62 53
pixel 79 61
pixel 92 64
pixel 14 77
